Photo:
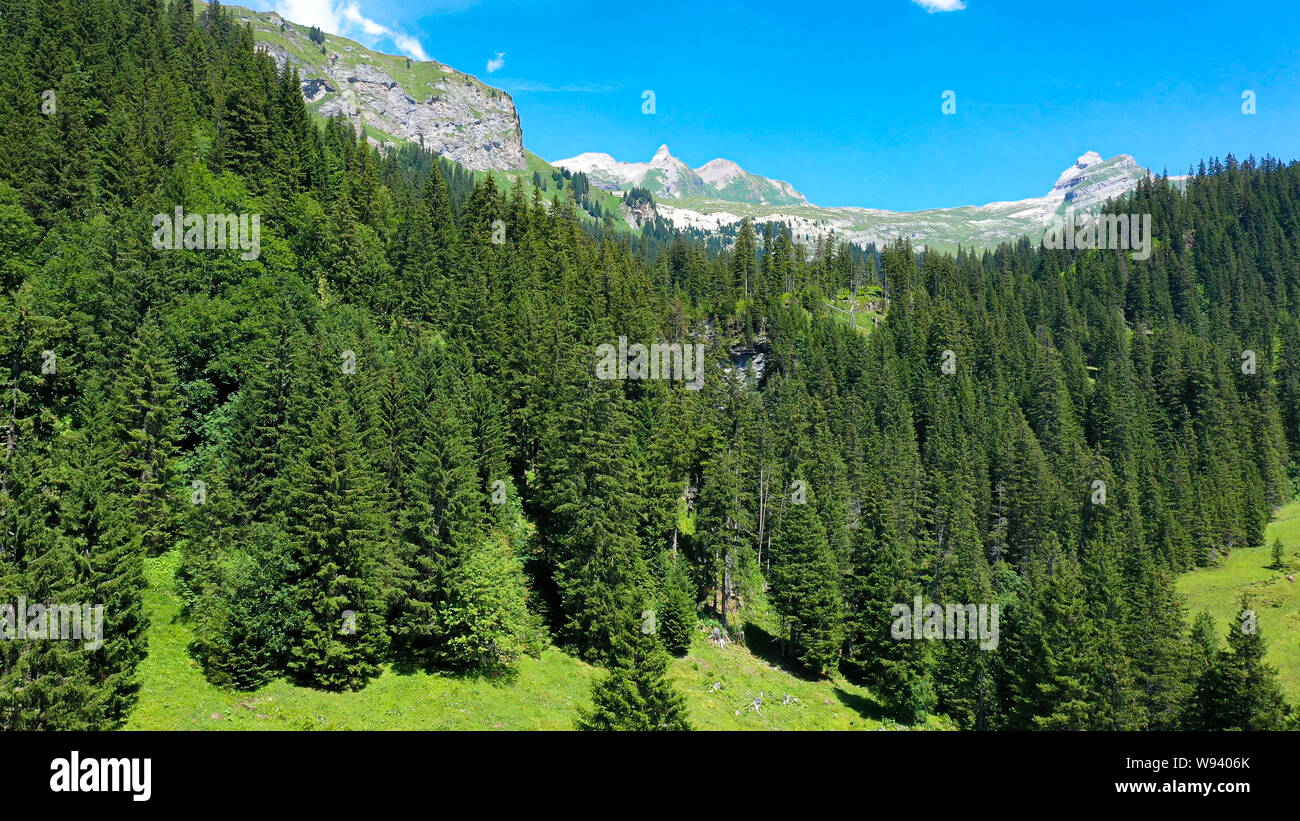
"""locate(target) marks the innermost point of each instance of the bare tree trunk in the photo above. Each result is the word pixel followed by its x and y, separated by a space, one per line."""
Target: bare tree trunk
pixel 11 439
pixel 726 589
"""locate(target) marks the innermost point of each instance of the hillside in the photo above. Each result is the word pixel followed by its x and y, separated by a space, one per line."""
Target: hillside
pixel 721 685
pixel 1217 590
pixel 425 419
pixel 395 98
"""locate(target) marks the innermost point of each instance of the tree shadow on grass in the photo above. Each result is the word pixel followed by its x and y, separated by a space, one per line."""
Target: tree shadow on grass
pixel 775 651
pixel 862 705
pixel 857 673
pixel 500 675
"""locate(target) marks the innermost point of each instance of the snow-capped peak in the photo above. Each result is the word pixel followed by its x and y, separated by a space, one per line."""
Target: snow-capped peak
pixel 592 158
pixel 665 161
pixel 604 170
pixel 667 176
pixel 719 171
pixel 1073 175
pixel 1093 180
pixel 1088 158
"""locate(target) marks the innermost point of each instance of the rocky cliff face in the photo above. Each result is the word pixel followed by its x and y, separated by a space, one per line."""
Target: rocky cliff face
pixel 395 98
pixel 1092 180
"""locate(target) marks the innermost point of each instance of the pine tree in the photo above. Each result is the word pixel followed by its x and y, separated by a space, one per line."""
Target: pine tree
pixel 637 694
pixel 590 498
pixel 143 421
pixel 805 587
pixel 677 616
pixel 47 683
pixel 441 520
pixel 1240 691
pixel 723 526
pixel 1054 649
pixel 332 504
pixel 1204 645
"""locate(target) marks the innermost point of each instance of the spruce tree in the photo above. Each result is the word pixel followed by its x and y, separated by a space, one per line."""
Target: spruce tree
pixel 441 519
pixel 806 587
pixel 143 424
pixel 591 506
pixel 677 615
pixel 637 694
pixel 333 521
pixel 1240 691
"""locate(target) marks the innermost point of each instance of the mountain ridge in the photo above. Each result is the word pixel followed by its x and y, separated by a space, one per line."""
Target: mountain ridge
pixel 666 176
pixel 1085 185
pixel 393 99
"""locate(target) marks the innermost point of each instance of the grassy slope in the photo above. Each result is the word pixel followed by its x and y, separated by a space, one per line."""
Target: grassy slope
pixel 506 181
pixel 864 320
pixel 545 695
pixel 417 79
pixel 1277 601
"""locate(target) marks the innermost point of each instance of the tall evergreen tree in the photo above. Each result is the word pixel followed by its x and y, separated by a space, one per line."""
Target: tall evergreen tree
pixel 637 694
pixel 334 524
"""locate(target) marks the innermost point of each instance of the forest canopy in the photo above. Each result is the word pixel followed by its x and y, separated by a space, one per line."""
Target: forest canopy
pixel 382 441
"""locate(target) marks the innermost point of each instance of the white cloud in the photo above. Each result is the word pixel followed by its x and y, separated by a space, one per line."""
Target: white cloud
pixel 346 20
pixel 354 16
pixel 410 45
pixel 940 5
pixel 546 88
pixel 311 13
pixel 496 62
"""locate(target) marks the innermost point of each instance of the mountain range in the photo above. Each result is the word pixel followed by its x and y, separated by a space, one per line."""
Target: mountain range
pixel 721 193
pixel 667 177
pixel 392 99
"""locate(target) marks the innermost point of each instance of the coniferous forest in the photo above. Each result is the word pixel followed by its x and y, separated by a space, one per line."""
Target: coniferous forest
pixel 383 442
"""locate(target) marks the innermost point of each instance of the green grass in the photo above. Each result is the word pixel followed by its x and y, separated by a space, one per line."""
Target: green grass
pixel 536 163
pixel 863 319
pixel 507 180
pixel 419 79
pixel 720 685
pixel 1217 590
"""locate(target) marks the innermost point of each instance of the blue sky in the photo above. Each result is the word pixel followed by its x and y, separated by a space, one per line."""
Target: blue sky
pixel 843 99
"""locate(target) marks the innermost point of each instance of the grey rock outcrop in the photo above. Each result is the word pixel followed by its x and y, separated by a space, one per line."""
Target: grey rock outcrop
pixel 434 105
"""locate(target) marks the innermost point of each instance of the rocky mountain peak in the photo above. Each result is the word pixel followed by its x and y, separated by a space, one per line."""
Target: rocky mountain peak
pixel 1088 158
pixel 719 170
pixel 396 98
pixel 667 176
